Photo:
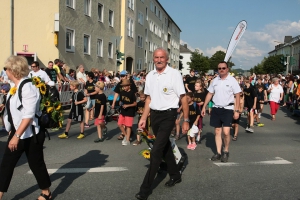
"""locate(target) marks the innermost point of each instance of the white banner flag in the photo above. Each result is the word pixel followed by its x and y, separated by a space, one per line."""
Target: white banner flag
pixel 236 36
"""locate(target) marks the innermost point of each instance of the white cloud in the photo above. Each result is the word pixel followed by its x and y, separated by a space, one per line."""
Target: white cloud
pixel 213 50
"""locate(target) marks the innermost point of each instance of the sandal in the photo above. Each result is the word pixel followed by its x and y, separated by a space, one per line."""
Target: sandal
pixel 46 197
pixel 121 137
pixel 234 138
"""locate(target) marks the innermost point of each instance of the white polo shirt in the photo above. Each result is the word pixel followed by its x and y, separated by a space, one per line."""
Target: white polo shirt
pixel 164 89
pixel 224 91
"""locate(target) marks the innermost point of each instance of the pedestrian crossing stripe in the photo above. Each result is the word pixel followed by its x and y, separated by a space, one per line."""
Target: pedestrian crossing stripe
pixel 84 170
pixel 277 161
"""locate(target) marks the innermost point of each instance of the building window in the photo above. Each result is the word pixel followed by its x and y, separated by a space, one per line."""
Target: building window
pixel 140 41
pixel 110 50
pixel 87 7
pixel 146 13
pixel 70 40
pixel 111 18
pixel 130 27
pixel 141 18
pixel 139 64
pixel 131 4
pixel 70 3
pixel 100 48
pixel 86 44
pixel 146 35
pixel 151 6
pixel 100 12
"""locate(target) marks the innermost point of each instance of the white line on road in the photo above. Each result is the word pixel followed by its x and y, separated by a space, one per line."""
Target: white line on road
pixel 84 170
pixel 278 161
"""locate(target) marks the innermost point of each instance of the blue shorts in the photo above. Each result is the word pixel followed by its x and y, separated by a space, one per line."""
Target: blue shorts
pixel 221 117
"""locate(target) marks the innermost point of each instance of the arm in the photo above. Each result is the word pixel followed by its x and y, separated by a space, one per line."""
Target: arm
pixel 236 115
pixel 196 121
pixel 185 109
pixel 186 87
pixel 207 99
pixel 129 105
pixel 81 102
pixel 115 99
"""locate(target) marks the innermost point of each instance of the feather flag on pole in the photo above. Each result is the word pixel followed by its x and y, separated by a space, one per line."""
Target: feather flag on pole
pixel 236 36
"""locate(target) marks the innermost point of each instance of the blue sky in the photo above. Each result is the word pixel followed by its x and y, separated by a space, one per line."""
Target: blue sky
pixel 208 25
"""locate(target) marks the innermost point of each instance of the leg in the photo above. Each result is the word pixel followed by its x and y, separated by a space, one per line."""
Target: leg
pixel 226 131
pixel 35 156
pixel 251 118
pixel 99 131
pixel 218 139
pixel 128 132
pixel 81 127
pixel 68 126
pixel 272 108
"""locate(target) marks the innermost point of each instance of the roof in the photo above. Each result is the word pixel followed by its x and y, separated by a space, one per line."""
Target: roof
pixel 291 41
pixel 184 49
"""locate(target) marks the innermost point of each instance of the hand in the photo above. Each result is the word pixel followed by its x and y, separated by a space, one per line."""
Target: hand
pixel 203 112
pixel 236 115
pixel 70 100
pixel 125 106
pixel 113 106
pixel 185 127
pixel 178 110
pixel 142 124
pixel 13 143
pixel 76 103
pixel 87 94
pixel 99 117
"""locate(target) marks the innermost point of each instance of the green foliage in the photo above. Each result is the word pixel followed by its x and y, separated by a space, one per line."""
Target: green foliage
pixel 217 58
pixel 199 62
pixel 272 65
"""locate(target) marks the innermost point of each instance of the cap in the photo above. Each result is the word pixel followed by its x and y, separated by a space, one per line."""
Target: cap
pixel 125 82
pixel 124 72
pixel 5 87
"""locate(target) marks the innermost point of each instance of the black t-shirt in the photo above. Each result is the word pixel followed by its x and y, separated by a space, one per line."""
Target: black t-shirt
pixel 249 95
pixel 100 99
pixel 191 83
pixel 125 99
pixel 260 96
pixel 140 106
pixel 52 74
pixel 90 87
pixel 200 97
pixel 133 87
pixel 194 111
pixel 264 87
pixel 80 97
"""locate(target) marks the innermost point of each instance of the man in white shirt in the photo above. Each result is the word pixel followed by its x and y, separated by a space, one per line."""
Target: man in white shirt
pixel 222 89
pixel 81 76
pixel 164 92
pixel 36 71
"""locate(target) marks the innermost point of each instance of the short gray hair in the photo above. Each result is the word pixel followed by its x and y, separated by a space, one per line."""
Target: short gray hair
pixel 275 79
pixel 18 66
pixel 161 49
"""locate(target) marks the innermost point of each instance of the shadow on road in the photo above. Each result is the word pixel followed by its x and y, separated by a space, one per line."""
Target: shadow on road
pixel 209 141
pixel 91 159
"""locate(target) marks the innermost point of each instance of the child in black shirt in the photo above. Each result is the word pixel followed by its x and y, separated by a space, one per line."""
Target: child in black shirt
pixel 250 97
pixel 76 112
pixel 140 110
pixel 128 104
pixel 199 98
pixel 260 100
pixel 100 110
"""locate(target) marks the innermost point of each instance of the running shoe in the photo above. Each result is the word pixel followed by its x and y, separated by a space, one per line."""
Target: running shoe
pixel 63 136
pixel 193 146
pixel 189 146
pixel 136 143
pixel 98 140
pixel 216 157
pixel 260 125
pixel 224 157
pixel 250 130
pixel 80 136
pixel 247 129
pixel 126 143
pixel 86 125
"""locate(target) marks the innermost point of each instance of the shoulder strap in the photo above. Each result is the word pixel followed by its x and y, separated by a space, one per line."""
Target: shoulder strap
pixel 20 91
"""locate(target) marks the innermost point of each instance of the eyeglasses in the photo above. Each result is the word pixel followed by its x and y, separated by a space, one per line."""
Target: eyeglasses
pixel 33 66
pixel 222 68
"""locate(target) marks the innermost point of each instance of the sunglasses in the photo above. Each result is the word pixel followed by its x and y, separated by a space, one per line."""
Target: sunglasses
pixel 33 66
pixel 222 68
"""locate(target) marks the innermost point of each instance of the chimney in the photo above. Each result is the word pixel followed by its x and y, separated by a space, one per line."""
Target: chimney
pixel 185 45
pixel 288 39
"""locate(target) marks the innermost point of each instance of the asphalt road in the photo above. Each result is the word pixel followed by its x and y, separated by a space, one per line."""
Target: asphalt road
pixel 263 165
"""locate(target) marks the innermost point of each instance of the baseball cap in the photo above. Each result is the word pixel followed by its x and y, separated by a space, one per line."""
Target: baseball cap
pixel 124 72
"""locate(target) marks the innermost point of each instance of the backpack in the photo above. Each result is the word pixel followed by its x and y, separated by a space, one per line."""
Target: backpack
pixel 51 115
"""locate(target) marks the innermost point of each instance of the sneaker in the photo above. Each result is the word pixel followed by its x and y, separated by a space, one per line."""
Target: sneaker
pixel 189 146
pixel 126 143
pixel 124 140
pixel 260 125
pixel 259 115
pixel 198 138
pixel 177 137
pixel 224 157
pixel 104 131
pixel 193 146
pixel 247 129
pixel 63 136
pixel 216 157
pixel 86 125
pixel 136 143
pixel 98 140
pixel 54 129
pixel 80 136
pixel 250 130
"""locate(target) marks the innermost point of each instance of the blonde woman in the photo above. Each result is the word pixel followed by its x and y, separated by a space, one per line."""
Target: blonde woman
pixel 24 133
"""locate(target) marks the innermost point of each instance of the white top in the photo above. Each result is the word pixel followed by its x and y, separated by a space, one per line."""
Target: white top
pixel 164 89
pixel 224 91
pixel 275 93
pixel 30 101
pixel 81 75
pixel 42 74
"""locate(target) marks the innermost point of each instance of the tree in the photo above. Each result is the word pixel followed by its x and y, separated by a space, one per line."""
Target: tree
pixel 272 65
pixel 199 62
pixel 259 68
pixel 216 59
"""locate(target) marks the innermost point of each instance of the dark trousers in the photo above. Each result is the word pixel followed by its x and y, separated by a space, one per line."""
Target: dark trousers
pixel 35 157
pixel 162 125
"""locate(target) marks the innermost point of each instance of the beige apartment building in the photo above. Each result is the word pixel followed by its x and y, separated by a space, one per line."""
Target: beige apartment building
pixel 75 31
pixel 88 32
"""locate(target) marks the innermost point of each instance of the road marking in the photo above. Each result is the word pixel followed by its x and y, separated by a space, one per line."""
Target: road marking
pixel 277 161
pixel 84 170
